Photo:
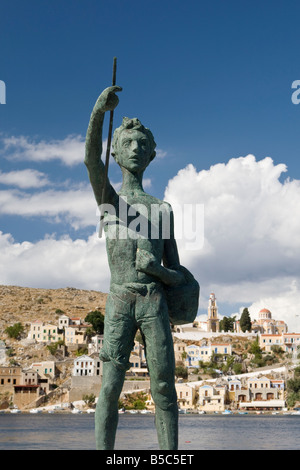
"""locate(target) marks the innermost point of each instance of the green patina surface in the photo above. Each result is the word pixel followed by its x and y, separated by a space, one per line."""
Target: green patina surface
pixel 145 275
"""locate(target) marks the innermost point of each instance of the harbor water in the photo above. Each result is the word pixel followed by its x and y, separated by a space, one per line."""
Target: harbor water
pixel 61 431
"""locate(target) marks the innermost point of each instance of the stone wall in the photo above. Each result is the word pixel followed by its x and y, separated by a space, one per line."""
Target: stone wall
pixel 87 385
pixel 84 386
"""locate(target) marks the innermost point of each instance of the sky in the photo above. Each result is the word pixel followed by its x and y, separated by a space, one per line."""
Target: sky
pixel 215 81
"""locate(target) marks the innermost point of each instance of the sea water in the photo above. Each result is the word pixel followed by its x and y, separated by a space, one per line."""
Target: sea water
pixel 61 431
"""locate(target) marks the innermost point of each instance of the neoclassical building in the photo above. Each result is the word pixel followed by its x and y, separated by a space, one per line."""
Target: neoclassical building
pixel 267 325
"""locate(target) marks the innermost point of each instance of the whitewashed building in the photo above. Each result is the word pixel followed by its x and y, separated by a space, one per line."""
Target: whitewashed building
pixel 86 366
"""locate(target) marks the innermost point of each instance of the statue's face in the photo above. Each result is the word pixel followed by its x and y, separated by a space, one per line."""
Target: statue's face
pixel 134 150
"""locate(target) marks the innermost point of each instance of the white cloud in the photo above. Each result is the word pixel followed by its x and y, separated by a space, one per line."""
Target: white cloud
pixel 251 250
pixel 251 247
pixel 54 263
pixel 160 153
pixel 69 151
pixel 76 207
pixel 24 179
pixel 283 306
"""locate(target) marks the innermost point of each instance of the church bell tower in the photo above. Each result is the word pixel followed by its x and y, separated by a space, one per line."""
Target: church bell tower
pixel 212 320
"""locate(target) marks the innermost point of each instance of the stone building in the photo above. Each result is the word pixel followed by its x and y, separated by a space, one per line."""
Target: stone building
pixel 212 319
pixel 45 333
pixel 87 366
pixel 24 395
pixel 212 398
pixel 268 325
pixel 86 377
pixel 186 395
pixel 10 376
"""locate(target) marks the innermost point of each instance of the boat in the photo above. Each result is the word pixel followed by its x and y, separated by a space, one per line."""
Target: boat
pixel 201 412
pixel 15 411
pixel 133 411
pixel 90 410
pixel 295 413
pixel 226 412
pixel 243 412
pixel 183 412
pixel 35 411
pixel 76 411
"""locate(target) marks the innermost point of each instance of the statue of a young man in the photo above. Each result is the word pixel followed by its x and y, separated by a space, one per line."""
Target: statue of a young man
pixel 137 297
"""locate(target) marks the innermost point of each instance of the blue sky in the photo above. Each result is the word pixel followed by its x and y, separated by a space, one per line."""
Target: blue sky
pixel 212 80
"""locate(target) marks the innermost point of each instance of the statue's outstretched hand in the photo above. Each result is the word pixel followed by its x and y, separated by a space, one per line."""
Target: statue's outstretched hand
pixel 108 100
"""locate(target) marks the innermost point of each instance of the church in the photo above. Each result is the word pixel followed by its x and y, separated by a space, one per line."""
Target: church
pixel 267 325
pixel 212 323
pixel 264 325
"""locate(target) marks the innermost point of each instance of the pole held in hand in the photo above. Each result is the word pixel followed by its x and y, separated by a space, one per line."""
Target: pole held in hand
pixel 111 117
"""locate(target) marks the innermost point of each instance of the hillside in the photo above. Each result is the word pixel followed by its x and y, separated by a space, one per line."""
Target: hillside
pixel 26 304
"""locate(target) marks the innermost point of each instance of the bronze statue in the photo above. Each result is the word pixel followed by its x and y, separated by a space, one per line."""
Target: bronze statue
pixel 137 242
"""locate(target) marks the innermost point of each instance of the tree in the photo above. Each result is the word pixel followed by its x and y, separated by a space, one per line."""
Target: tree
pixel 255 348
pixel 15 331
pixel 89 400
pixel 96 319
pixel 181 371
pixel 227 324
pixel 53 347
pixel 293 389
pixel 134 401
pixel 245 321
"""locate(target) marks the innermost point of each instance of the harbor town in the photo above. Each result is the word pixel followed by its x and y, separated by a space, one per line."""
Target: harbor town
pixel 49 359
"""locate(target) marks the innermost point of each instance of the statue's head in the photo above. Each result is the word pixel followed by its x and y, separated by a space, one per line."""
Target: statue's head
pixel 133 145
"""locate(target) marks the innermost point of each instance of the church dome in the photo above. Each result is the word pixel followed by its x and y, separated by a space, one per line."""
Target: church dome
pixel 264 314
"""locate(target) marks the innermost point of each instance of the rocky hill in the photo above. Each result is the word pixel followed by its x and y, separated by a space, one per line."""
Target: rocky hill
pixel 26 304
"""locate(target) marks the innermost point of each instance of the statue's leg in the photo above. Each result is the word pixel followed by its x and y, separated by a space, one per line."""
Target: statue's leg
pixel 166 422
pixel 119 332
pixel 159 349
pixel 106 415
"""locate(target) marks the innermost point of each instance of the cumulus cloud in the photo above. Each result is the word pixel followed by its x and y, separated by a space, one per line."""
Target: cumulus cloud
pixel 52 263
pixel 24 179
pixel 284 305
pixel 69 151
pixel 251 247
pixel 76 207
pixel 248 251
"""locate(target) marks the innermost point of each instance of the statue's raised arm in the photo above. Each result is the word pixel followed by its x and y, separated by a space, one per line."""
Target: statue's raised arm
pixel 107 101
